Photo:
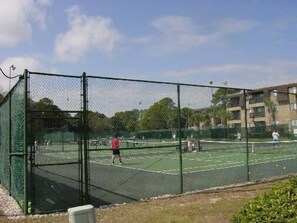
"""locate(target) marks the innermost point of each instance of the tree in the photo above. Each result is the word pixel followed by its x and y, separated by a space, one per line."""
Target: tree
pixel 271 108
pixel 46 101
pixel 49 115
pixel 1 97
pixel 186 114
pixel 97 122
pixel 202 116
pixel 161 115
pixel 2 94
pixel 129 119
pixel 220 103
pixel 116 124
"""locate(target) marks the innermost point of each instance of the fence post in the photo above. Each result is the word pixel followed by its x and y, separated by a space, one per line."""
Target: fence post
pixel 9 142
pixel 25 145
pixel 247 136
pixel 85 139
pixel 180 142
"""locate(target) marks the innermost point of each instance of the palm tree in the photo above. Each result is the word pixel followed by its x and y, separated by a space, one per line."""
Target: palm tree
pixel 271 108
pixel 202 117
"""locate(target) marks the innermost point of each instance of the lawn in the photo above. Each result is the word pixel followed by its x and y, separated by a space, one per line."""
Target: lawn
pixel 207 206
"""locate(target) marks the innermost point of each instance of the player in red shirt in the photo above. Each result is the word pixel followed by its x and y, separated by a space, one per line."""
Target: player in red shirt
pixel 115 146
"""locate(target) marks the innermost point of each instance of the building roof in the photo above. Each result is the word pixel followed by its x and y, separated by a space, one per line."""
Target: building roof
pixel 283 87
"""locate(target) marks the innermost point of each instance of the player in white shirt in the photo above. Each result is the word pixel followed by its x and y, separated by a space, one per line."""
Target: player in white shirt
pixel 275 138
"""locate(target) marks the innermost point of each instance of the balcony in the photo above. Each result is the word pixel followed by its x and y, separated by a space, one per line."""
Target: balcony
pixel 233 104
pixel 255 100
pixel 235 117
pixel 257 114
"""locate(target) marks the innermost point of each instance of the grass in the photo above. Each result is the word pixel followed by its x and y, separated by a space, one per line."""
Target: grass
pixel 202 207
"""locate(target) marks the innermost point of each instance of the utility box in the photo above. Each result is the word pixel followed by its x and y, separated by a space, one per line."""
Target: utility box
pixel 82 214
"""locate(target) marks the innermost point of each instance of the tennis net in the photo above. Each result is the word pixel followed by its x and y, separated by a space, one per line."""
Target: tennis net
pixel 151 144
pixel 150 148
pixel 253 147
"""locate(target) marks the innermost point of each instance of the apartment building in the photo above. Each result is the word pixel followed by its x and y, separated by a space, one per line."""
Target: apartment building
pixel 265 107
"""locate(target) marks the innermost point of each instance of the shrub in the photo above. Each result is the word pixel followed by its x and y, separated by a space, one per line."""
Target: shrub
pixel 277 205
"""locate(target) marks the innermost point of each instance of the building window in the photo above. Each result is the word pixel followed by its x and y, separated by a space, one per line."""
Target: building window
pixel 234 102
pixel 274 108
pixel 293 106
pixel 293 90
pixel 273 93
pixel 259 111
pixel 235 115
pixel 237 126
pixel 256 98
pixel 260 126
pixel 294 122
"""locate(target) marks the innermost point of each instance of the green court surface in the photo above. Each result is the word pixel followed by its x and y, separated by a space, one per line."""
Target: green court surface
pixel 151 170
pixel 165 158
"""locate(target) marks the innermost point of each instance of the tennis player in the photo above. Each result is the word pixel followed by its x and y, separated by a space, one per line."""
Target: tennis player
pixel 190 145
pixel 238 136
pixel 275 138
pixel 115 146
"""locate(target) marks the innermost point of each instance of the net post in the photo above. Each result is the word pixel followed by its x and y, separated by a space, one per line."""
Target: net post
pixel 199 145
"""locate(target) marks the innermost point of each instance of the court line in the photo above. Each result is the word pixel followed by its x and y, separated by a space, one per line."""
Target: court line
pixel 133 168
pixel 264 160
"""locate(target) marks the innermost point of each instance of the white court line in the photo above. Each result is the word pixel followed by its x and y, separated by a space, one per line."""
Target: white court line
pixel 208 167
pixel 134 168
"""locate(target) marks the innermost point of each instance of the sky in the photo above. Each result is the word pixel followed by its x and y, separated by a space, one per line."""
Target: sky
pixel 244 44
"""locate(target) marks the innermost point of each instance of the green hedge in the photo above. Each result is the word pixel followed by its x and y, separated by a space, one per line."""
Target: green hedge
pixel 277 205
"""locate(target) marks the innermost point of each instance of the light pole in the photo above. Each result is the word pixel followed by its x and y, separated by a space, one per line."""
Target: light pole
pixel 188 115
pixel 67 104
pixel 139 116
pixel 12 67
pixel 211 83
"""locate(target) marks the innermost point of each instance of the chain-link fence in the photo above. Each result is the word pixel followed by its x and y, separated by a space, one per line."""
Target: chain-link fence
pixel 56 133
pixel 12 143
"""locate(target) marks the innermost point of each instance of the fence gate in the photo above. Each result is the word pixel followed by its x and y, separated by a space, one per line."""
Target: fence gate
pixel 55 143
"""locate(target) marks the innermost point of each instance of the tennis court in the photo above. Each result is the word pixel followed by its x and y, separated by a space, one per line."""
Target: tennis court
pixel 153 169
pixel 163 157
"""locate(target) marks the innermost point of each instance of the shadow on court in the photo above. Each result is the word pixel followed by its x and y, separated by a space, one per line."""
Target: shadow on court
pixel 58 188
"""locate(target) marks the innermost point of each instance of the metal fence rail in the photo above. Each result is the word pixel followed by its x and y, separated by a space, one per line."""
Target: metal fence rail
pixel 55 133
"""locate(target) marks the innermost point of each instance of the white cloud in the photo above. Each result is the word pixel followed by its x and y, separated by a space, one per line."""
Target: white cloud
pixel 232 26
pixel 282 23
pixel 169 24
pixel 143 39
pixel 242 75
pixel 21 63
pixel 85 34
pixel 177 33
pixel 16 17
